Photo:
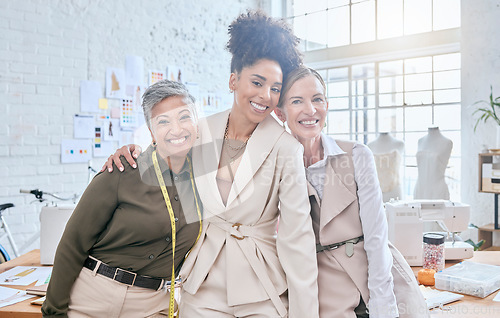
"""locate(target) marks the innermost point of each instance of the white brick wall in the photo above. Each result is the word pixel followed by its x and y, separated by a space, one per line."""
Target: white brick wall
pixel 48 46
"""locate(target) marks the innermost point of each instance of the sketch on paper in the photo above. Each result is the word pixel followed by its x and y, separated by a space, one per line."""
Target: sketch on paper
pixel 111 129
pixel 174 73
pixel 115 83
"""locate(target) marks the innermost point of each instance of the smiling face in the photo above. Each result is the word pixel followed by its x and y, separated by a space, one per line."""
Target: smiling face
pixel 256 90
pixel 173 127
pixel 304 108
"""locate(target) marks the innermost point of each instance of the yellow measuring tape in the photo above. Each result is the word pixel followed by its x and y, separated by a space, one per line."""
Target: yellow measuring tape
pixel 172 223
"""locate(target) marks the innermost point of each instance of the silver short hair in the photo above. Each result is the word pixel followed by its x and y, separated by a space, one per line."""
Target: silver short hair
pixel 161 90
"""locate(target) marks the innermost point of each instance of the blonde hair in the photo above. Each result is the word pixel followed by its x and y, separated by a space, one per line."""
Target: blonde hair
pixel 298 73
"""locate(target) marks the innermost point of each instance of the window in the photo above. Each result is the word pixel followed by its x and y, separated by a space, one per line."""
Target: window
pixel 332 23
pixel 403 97
pixel 385 90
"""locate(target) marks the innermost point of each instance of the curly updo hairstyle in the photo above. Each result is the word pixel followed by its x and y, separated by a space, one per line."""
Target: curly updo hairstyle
pixel 254 36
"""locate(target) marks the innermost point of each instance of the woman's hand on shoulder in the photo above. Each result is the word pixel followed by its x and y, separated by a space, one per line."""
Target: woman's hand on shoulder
pixel 128 152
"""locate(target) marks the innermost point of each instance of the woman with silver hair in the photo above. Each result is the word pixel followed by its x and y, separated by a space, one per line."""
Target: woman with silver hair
pixel 130 232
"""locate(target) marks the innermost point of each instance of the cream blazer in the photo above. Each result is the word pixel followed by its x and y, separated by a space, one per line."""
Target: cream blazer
pixel 260 265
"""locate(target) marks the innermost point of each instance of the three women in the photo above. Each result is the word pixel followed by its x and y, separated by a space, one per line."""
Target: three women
pixel 246 166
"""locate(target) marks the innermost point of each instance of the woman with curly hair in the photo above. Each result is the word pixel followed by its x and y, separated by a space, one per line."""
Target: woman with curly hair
pixel 249 172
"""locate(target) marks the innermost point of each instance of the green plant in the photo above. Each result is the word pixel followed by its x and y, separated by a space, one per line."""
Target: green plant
pixel 489 110
pixel 477 245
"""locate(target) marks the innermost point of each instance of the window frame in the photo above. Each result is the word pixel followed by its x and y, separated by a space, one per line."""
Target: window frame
pixel 390 49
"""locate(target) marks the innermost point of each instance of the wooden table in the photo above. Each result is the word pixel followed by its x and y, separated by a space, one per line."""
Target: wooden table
pixel 470 306
pixel 22 309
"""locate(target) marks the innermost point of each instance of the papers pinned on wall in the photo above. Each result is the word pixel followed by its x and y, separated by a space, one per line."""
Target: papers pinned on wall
pixel 102 148
pixel 136 96
pixel 83 126
pixel 119 112
pixel 134 70
pixel 174 73
pixel 134 66
pixel 111 129
pixel 155 76
pixel 115 113
pixel 115 83
pixel 194 89
pixel 103 103
pixel 90 92
pixel 76 150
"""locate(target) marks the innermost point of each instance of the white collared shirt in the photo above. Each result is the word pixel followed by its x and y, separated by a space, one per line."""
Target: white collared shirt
pixel 373 222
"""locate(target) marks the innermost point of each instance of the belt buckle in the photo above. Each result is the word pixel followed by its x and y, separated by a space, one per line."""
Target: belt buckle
pixel 125 271
pixel 334 247
pixel 163 285
pixel 167 284
pixel 237 225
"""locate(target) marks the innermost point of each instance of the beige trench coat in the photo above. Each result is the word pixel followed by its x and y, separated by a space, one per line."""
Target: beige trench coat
pixel 260 266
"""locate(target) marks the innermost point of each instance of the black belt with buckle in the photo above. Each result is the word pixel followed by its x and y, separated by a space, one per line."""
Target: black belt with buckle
pixel 123 276
pixel 321 248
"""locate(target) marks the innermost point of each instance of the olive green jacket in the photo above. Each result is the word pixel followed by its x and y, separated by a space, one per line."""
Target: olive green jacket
pixel 122 220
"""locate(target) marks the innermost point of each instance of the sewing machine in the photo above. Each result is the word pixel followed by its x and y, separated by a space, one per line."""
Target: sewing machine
pixel 406 227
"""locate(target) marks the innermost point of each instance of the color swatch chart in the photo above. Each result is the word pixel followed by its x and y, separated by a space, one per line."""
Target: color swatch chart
pixel 97 139
pixel 75 150
pixel 156 76
pixel 128 118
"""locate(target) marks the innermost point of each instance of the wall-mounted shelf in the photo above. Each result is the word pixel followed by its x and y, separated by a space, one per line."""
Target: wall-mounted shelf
pixel 489 178
pixel 485 233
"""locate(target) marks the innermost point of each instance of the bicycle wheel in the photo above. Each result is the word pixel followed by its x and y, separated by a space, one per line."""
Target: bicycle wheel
pixel 4 256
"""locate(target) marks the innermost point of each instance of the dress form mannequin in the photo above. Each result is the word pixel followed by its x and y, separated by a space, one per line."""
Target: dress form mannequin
pixel 433 154
pixel 387 152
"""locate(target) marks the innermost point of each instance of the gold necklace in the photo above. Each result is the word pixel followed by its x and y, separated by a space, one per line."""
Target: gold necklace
pixel 231 158
pixel 226 139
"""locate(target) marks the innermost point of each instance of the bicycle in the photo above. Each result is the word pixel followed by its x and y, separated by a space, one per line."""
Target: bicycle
pixel 39 195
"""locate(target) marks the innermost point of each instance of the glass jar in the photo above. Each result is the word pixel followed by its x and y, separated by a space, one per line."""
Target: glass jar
pixel 434 251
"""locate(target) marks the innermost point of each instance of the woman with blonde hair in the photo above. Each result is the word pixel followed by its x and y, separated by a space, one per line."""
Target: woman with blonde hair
pixel 360 273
